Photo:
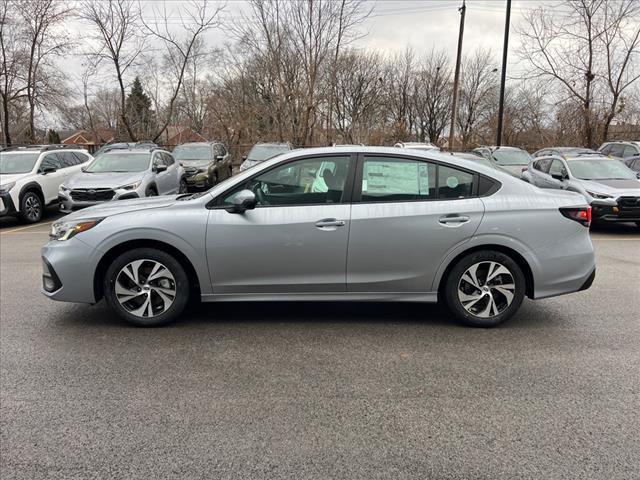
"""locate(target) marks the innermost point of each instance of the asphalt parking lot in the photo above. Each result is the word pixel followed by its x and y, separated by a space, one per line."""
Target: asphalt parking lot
pixel 321 390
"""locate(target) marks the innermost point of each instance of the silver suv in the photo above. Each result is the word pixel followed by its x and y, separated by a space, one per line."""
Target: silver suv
pixel 123 174
pixel 327 224
pixel 609 186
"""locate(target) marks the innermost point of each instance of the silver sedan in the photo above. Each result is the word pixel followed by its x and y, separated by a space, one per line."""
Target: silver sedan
pixel 340 223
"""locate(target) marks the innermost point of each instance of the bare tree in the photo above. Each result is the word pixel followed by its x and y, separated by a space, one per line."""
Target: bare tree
pixel 118 41
pixel 478 92
pixel 183 47
pixel 588 51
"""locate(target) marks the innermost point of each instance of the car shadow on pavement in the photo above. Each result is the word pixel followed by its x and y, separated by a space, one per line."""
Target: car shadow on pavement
pixel 202 315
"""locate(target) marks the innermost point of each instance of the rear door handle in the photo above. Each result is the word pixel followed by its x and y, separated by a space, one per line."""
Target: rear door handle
pixel 330 222
pixel 454 219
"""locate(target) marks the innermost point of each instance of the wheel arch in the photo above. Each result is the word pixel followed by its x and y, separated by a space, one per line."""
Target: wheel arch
pixel 115 251
pixel 510 252
pixel 31 187
pixel 151 186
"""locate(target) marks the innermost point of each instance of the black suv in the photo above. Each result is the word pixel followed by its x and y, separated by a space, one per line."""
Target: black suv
pixel 204 163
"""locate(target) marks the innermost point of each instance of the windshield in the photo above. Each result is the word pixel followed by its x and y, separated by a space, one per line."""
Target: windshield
pixel 259 153
pixel 17 162
pixel 192 152
pixel 600 170
pixel 120 162
pixel 511 157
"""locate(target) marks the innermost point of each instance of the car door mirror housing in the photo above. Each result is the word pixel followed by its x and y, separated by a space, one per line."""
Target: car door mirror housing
pixel 559 176
pixel 159 168
pixel 244 157
pixel 48 169
pixel 242 201
pixel 219 158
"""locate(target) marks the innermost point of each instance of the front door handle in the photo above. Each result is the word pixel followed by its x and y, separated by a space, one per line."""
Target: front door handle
pixel 454 219
pixel 330 222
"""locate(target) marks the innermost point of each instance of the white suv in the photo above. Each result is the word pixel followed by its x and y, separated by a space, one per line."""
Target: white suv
pixel 31 176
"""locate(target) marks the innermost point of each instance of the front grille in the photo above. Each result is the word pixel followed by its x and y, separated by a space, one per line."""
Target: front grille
pixel 190 170
pixel 92 194
pixel 629 206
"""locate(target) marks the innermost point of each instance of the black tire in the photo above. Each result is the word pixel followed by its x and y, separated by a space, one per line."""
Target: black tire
pixel 151 192
pixel 471 316
pixel 638 224
pixel 31 207
pixel 214 180
pixel 180 283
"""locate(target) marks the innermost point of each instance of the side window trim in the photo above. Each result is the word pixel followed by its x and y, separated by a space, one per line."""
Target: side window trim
pixel 347 193
pixel 357 189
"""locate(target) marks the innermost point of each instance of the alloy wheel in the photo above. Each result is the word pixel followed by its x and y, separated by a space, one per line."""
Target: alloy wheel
pixel 145 288
pixel 32 207
pixel 486 289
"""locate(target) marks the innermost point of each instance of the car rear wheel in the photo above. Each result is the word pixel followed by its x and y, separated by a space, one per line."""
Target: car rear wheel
pixel 485 289
pixel 31 207
pixel 146 287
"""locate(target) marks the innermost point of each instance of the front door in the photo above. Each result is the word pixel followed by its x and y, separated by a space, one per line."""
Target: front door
pixel 294 241
pixel 408 216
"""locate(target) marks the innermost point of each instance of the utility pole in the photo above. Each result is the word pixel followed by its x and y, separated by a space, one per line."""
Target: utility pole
pixel 503 78
pixel 456 79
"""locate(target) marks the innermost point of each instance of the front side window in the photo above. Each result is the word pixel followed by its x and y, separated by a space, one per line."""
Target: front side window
pixel 629 151
pixel 396 180
pixel 119 162
pixel 543 165
pixel 51 161
pixel 17 162
pixel 168 159
pixel 310 181
pixel 557 168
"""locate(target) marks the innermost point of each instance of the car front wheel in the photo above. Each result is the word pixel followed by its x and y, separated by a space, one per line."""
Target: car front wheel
pixel 31 207
pixel 146 287
pixel 485 289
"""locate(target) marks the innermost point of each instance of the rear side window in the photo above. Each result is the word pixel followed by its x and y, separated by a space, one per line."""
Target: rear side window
pixel 454 183
pixel 617 150
pixel 67 159
pixel 80 157
pixel 487 186
pixel 542 165
pixel 390 180
pixel 629 151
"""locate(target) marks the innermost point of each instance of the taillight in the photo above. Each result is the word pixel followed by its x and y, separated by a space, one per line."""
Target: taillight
pixel 580 214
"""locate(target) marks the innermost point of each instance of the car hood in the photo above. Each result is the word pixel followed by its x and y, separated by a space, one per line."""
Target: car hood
pixel 613 187
pixel 108 209
pixel 103 180
pixel 11 177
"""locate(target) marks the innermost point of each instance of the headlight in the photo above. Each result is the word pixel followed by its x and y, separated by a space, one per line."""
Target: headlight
pixel 62 231
pixel 131 186
pixel 5 187
pixel 202 170
pixel 600 196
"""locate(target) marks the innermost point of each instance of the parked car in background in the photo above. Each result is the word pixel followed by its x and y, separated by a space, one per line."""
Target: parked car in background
pixel 417 145
pixel 205 163
pixel 565 152
pixel 383 224
pixel 610 187
pixel 261 152
pixel 31 176
pixel 121 174
pixel 634 164
pixel 124 146
pixel 510 159
pixel 620 149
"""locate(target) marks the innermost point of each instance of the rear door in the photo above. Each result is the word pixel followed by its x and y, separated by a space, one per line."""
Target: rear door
pixel 407 214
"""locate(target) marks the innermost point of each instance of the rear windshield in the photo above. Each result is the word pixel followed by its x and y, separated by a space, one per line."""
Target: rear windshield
pixel 120 162
pixel 260 153
pixel 17 162
pixel 193 152
pixel 511 157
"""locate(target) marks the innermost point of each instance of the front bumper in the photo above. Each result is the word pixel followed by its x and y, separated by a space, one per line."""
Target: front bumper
pixel 198 180
pixel 6 205
pixel 70 266
pixel 624 210
pixel 68 204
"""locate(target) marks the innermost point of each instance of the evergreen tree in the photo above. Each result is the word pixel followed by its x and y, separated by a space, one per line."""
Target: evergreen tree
pixel 53 137
pixel 139 111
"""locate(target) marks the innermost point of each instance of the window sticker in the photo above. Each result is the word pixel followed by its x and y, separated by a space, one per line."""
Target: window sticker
pixel 452 182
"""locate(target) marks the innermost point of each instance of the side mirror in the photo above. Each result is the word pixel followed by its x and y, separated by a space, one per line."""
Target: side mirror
pixel 159 168
pixel 83 169
pixel 219 158
pixel 559 176
pixel 243 200
pixel 48 169
pixel 244 157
